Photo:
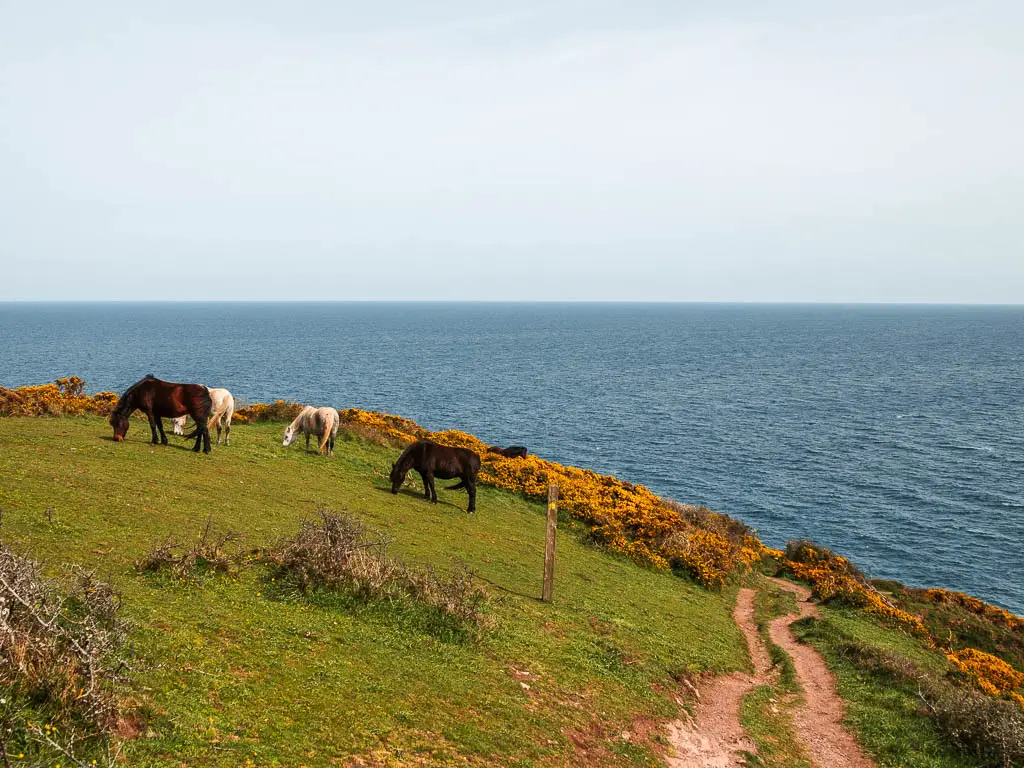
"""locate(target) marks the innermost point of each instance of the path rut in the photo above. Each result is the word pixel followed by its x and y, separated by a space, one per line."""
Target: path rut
pixel 714 738
pixel 819 718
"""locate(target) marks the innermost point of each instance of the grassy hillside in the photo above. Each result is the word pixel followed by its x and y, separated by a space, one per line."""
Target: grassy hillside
pixel 233 668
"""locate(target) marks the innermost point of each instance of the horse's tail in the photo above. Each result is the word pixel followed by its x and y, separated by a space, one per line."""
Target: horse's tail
pixel 457 486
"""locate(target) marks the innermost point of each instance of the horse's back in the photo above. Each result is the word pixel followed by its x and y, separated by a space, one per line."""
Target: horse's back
pixel 221 399
pixel 328 418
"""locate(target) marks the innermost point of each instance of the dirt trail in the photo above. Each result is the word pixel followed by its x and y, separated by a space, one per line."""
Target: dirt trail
pixel 819 718
pixel 715 738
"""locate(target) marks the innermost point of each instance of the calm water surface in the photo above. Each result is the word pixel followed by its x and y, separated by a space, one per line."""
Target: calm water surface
pixel 894 435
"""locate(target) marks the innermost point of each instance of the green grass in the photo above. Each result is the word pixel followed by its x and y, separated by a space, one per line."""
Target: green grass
pixel 884 711
pixel 767 718
pixel 232 669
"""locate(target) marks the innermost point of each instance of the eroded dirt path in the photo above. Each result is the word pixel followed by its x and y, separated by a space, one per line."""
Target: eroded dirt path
pixel 819 718
pixel 714 738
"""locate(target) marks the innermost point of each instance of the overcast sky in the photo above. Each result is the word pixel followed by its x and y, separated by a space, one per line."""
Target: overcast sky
pixel 633 150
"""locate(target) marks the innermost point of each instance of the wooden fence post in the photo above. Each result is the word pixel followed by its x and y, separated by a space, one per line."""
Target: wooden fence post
pixel 549 544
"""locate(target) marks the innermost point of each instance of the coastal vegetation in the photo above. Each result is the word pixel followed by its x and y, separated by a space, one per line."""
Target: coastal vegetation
pixel 273 598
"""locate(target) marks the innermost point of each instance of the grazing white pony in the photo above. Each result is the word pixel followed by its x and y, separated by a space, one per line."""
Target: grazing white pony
pixel 223 409
pixel 322 422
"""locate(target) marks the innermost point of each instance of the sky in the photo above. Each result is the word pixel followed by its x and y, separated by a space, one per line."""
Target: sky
pixel 454 150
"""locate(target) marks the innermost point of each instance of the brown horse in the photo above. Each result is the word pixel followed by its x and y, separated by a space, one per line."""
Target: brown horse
pixel 432 460
pixel 164 399
pixel 512 452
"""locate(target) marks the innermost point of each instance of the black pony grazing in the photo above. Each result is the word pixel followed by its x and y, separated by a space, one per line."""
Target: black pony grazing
pixel 512 452
pixel 164 399
pixel 432 460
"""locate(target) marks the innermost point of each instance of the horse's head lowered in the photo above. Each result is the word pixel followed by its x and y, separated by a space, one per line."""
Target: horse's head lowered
pixel 119 421
pixel 397 478
pixel 289 435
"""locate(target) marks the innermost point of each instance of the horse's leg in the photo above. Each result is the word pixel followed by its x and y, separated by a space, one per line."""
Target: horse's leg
pixel 307 442
pixel 227 433
pixel 152 425
pixel 160 426
pixel 433 488
pixel 471 488
pixel 426 484
pixel 206 439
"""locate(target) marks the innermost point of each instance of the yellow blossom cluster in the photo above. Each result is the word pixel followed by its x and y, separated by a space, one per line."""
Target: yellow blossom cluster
pixel 279 410
pixel 63 397
pixel 989 673
pixel 992 613
pixel 833 576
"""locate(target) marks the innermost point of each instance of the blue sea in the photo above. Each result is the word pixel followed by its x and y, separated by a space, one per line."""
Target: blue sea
pixel 892 434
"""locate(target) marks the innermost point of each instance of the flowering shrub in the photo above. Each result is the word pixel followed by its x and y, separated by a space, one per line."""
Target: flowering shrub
pixel 989 673
pixel 978 607
pixel 279 410
pixel 64 397
pixel 835 577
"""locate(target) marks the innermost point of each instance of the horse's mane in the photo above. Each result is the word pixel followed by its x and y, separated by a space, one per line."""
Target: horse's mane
pixel 300 418
pixel 405 460
pixel 124 401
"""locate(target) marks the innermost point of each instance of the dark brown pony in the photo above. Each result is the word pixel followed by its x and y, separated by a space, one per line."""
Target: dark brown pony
pixel 432 460
pixel 164 399
pixel 512 452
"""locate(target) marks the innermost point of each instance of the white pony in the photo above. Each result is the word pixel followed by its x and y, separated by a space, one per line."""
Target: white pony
pixel 322 422
pixel 222 410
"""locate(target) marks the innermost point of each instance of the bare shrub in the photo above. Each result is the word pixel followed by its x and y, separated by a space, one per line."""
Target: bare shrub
pixel 708 519
pixel 988 728
pixel 62 653
pixel 337 552
pixel 209 553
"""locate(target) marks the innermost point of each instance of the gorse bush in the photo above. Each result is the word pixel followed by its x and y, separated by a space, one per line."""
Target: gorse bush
pixel 989 673
pixel 62 656
pixel 835 578
pixel 990 613
pixel 337 552
pixel 64 397
pixel 279 410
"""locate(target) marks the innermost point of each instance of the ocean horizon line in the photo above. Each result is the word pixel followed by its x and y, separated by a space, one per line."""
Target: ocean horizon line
pixel 521 302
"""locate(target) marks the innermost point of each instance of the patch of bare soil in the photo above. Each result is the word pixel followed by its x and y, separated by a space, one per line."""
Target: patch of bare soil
pixel 714 738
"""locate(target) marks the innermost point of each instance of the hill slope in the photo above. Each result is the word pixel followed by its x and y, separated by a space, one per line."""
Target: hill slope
pixel 232 668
